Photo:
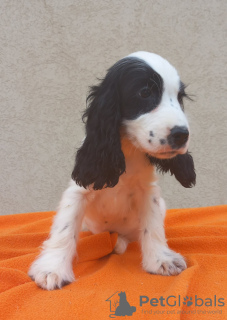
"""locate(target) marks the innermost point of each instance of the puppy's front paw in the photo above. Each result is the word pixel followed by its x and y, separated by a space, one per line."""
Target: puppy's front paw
pixel 51 272
pixel 166 262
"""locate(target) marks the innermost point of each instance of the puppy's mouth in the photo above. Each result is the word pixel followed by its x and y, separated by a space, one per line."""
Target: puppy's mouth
pixel 168 153
pixel 165 155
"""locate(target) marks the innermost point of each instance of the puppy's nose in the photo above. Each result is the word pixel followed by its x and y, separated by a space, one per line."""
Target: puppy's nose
pixel 178 137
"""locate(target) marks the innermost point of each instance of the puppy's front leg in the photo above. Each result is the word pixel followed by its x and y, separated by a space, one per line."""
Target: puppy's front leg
pixel 53 267
pixel 157 258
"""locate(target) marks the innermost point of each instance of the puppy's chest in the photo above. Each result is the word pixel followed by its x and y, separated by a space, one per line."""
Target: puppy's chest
pixel 116 209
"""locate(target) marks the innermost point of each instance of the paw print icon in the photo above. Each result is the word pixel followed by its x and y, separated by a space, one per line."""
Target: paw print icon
pixel 188 301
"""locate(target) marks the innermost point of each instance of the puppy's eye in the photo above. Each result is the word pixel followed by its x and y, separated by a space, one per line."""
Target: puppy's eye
pixel 145 92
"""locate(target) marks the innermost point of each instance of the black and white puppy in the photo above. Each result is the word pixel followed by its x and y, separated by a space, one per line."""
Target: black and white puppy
pixel 134 123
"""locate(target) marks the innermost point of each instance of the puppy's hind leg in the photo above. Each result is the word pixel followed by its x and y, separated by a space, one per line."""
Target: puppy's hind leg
pixel 53 267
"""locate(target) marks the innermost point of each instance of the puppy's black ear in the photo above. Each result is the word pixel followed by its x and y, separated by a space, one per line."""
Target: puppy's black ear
pixel 181 166
pixel 100 160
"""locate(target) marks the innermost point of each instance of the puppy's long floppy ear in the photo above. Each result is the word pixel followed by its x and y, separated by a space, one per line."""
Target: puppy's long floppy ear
pixel 100 160
pixel 181 166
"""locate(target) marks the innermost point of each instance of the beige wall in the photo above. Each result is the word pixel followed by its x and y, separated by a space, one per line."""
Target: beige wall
pixel 51 51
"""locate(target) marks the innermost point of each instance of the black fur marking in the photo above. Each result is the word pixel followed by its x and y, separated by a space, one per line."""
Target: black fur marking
pixel 136 77
pixel 162 141
pixel 145 231
pixel 181 166
pixel 100 160
pixel 151 134
pixel 65 227
pixel 149 140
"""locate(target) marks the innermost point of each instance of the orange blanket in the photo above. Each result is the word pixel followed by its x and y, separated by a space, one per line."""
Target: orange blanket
pixel 200 292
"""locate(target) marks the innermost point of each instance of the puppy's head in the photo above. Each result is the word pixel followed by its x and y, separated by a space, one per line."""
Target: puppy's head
pixel 143 95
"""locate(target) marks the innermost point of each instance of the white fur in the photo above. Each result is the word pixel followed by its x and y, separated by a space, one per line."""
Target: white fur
pixel 133 208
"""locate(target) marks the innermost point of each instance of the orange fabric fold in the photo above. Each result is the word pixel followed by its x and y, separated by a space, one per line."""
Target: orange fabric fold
pixel 199 292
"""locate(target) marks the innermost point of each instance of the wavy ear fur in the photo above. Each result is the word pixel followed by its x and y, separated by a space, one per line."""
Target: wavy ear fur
pixel 100 160
pixel 181 166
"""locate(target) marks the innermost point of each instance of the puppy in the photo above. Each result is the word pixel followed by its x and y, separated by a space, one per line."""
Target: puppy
pixel 135 122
